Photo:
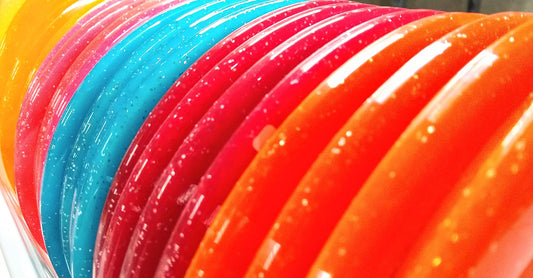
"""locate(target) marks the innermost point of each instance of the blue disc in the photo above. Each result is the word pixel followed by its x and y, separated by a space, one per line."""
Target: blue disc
pixel 93 99
pixel 95 164
pixel 62 142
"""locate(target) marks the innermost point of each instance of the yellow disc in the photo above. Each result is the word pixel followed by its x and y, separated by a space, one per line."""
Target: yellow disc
pixel 33 32
pixel 8 9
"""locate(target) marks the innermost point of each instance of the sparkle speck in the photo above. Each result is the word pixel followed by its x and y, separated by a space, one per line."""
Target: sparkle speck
pixel 282 143
pixel 436 261
pixel 342 252
pixel 455 237
pixel 305 202
pixel 392 174
pixel 201 273
pixel 262 137
pixel 466 192
pixel 323 274
pixel 342 141
pixel 431 129
pixel 490 173
pixel 520 146
pixel 336 150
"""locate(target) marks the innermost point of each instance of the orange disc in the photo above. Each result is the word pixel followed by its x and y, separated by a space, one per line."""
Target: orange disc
pixel 325 192
pixel 257 198
pixel 33 32
pixel 398 200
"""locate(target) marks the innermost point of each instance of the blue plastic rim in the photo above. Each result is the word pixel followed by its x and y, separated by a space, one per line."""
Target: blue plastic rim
pixel 61 144
pixel 142 76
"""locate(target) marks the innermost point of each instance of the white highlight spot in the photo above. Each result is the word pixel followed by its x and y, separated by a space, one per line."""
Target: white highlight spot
pixel 323 274
pixel 490 173
pixel 342 141
pixel 263 136
pixel 274 248
pixel 221 232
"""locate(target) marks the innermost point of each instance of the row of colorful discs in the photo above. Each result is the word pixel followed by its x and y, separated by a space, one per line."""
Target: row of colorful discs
pixel 269 138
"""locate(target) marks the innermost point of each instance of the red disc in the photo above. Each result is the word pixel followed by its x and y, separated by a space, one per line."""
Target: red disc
pixel 176 93
pixel 176 127
pixel 271 111
pixel 225 116
pixel 254 203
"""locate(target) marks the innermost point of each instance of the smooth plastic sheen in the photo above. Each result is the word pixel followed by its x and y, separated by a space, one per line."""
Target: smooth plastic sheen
pixel 121 76
pixel 494 190
pixel 171 99
pixel 335 177
pixel 265 138
pixel 139 185
pixel 131 19
pixel 19 55
pixel 27 42
pixel 24 47
pixel 77 72
pixel 134 66
pixel 8 10
pixel 154 239
pixel 437 147
pixel 151 28
pixel 491 200
pixel 38 96
pixel 276 105
pixel 214 186
pixel 255 184
pixel 198 149
pixel 51 186
pixel 273 108
pixel 93 181
pixel 166 35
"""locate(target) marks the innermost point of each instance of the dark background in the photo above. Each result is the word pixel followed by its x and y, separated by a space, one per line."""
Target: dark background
pixel 484 6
